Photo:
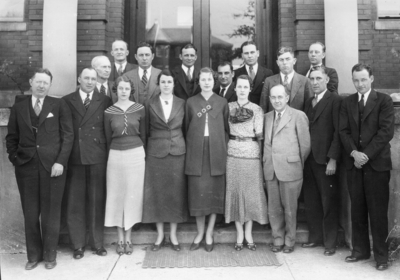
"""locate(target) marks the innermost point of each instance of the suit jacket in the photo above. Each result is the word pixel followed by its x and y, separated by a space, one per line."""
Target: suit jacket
pixel 324 128
pixel 89 141
pixel 230 95
pixel 114 71
pixel 258 83
pixel 301 91
pixel 333 83
pixel 180 89
pixel 153 88
pixel 164 137
pixel 195 120
pixel 54 136
pixel 286 153
pixel 375 130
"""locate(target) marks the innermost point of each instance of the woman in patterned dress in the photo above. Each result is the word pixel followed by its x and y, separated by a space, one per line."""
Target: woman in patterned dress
pixel 245 197
pixel 207 129
pixel 125 130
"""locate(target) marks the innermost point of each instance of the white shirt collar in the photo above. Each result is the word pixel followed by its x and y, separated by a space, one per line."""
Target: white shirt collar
pixel 84 95
pixel 105 84
pixel 365 96
pixel 122 64
pixel 321 95
pixel 311 66
pixel 185 69
pixel 34 101
pixel 290 76
pixel 141 70
pixel 226 88
pixel 276 113
pixel 255 68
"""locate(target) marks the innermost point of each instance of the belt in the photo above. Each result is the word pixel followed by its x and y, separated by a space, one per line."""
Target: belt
pixel 242 139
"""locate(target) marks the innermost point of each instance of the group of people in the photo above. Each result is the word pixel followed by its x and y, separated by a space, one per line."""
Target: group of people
pixel 136 144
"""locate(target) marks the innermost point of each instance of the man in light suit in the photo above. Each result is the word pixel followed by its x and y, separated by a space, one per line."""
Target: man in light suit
pixel 316 53
pixel 119 51
pixel 255 71
pixel 102 65
pixel 144 78
pixel 366 128
pixel 225 86
pixel 297 86
pixel 320 180
pixel 185 76
pixel 286 147
pixel 86 177
pixel 39 142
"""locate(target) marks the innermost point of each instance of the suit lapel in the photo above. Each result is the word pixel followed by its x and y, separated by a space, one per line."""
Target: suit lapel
pixel 270 123
pixel 26 116
pixel 157 108
pixel 287 116
pixel 295 86
pixel 175 109
pixel 94 105
pixel 354 107
pixel 181 79
pixel 371 102
pixel 259 77
pixel 46 109
pixel 153 83
pixel 76 101
pixel 230 92
pixel 136 81
pixel 322 104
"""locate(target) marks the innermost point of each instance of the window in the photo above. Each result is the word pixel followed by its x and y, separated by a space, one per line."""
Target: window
pixel 388 9
pixel 12 10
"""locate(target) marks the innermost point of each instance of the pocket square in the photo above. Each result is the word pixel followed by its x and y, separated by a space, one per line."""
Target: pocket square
pixel 50 115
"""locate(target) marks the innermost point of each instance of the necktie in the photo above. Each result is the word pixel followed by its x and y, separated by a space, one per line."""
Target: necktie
pixel 252 74
pixel 276 123
pixel 37 107
pixel 144 77
pixel 285 81
pixel 188 74
pixel 120 70
pixel 361 105
pixel 315 100
pixel 86 102
pixel 222 92
pixel 103 89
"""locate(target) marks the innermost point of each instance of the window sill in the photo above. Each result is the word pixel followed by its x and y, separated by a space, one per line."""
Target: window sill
pixel 12 26
pixel 387 24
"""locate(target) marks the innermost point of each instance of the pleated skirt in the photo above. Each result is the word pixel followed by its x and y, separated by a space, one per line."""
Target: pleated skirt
pixel 125 182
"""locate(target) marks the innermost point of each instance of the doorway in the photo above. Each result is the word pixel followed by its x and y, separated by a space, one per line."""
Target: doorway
pixel 216 27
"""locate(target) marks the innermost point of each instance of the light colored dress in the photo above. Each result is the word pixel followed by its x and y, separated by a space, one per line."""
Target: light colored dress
pixel 245 196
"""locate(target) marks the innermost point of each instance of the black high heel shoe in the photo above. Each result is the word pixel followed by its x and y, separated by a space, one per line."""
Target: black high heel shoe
pixel 157 247
pixel 209 247
pixel 195 246
pixel 175 247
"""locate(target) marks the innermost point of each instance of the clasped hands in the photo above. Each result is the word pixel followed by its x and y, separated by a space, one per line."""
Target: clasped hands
pixel 57 170
pixel 359 159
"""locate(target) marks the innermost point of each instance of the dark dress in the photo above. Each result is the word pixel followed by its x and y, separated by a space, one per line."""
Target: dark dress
pixel 206 155
pixel 165 190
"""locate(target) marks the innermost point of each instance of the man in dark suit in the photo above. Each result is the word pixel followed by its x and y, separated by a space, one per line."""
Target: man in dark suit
pixel 144 78
pixel 316 53
pixel 121 65
pixel 104 85
pixel 39 142
pixel 86 177
pixel 366 127
pixel 225 86
pixel 255 71
pixel 297 86
pixel 320 180
pixel 185 76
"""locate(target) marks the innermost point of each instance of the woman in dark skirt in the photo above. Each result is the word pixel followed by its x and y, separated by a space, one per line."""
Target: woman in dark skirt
pixel 165 190
pixel 207 133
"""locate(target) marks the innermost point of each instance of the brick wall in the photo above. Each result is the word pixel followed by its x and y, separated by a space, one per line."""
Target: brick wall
pixel 100 22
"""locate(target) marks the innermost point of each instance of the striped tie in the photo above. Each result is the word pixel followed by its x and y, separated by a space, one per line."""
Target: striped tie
pixel 144 77
pixel 315 100
pixel 103 89
pixel 252 74
pixel 86 103
pixel 120 70
pixel 37 107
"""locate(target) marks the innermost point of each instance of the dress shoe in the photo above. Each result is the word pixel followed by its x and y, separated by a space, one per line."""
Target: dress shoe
pixel 251 246
pixel 382 266
pixel 120 248
pixel 329 252
pixel 78 253
pixel 351 259
pixel 276 248
pixel 100 251
pixel 128 248
pixel 157 247
pixel 31 265
pixel 310 245
pixel 50 265
pixel 209 247
pixel 176 247
pixel 288 249
pixel 238 246
pixel 195 246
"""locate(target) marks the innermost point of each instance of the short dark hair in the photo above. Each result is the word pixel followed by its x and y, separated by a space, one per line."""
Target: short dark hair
pixel 89 68
pixel 42 71
pixel 122 79
pixel 248 43
pixel 284 49
pixel 247 78
pixel 188 46
pixel 318 43
pixel 206 70
pixel 164 72
pixel 225 63
pixel 320 68
pixel 361 66
pixel 144 44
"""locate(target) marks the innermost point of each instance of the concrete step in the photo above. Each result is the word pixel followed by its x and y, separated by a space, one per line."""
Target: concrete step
pixel 147 234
